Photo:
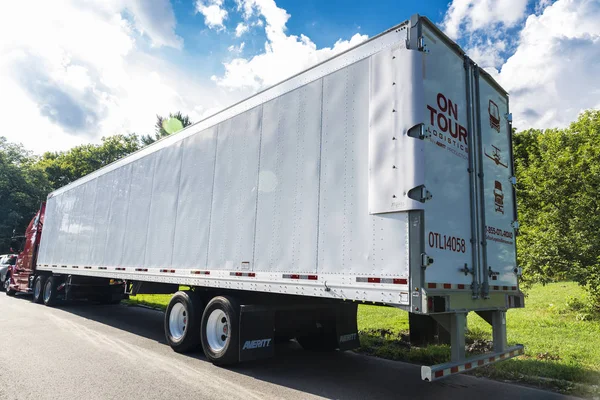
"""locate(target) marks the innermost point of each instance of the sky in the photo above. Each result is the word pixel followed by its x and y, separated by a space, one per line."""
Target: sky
pixel 73 71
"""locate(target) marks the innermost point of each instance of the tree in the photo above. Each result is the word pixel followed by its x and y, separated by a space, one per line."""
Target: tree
pixel 167 126
pixel 559 185
pixel 65 167
pixel 23 186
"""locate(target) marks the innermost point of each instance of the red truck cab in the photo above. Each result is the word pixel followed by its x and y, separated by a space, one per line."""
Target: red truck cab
pixel 22 273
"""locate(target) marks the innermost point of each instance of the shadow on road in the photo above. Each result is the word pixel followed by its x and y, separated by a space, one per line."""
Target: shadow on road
pixel 333 375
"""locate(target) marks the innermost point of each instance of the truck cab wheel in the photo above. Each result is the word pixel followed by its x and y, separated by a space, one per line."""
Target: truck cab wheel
pixel 38 289
pixel 7 289
pixel 182 321
pixel 220 331
pixel 49 295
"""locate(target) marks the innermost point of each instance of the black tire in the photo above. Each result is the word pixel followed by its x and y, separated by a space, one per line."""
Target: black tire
pixel 9 292
pixel 50 295
pixel 38 289
pixel 325 340
pixel 229 353
pixel 186 338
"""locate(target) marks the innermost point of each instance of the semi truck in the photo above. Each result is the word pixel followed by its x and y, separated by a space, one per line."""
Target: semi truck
pixel 359 180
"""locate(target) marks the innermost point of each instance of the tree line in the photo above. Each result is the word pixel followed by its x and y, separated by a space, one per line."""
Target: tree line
pixel 558 185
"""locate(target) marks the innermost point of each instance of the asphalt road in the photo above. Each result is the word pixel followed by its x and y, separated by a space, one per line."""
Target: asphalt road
pixel 81 351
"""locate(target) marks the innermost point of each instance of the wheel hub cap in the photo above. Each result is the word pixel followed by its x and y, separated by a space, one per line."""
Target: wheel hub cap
pixel 217 330
pixel 178 321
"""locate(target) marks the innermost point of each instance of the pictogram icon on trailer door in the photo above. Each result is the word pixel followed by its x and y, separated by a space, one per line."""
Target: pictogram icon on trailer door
pixel 496 156
pixel 494 116
pixel 498 197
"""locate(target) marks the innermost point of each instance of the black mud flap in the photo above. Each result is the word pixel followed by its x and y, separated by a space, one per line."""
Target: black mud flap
pixel 257 332
pixel 346 327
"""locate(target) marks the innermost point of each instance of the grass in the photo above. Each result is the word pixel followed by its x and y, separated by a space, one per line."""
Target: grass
pixel 562 345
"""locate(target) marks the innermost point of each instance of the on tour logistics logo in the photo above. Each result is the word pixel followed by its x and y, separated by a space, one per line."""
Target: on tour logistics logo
pixel 444 128
pixel 496 156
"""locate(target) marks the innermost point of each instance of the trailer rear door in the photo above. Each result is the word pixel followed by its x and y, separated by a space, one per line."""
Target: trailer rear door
pixel 497 190
pixel 469 219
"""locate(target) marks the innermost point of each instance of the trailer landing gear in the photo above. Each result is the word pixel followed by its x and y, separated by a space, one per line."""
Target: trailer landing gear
pixel 455 323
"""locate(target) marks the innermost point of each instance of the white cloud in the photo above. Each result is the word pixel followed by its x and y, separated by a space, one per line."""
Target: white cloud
pixel 553 74
pixel 472 15
pixel 284 55
pixel 552 71
pixel 70 74
pixel 214 13
pixel 237 49
pixel 240 29
pixel 157 20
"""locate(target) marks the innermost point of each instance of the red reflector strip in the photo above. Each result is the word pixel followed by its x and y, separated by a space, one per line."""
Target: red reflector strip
pixel 75 266
pixel 120 269
pixel 393 281
pixel 504 287
pixel 248 274
pixel 101 267
pixel 63 266
pixel 496 287
pixel 513 287
pixel 141 269
pixel 451 286
pixel 87 267
pixel 453 369
pixel 297 276
pixel 170 271
pixel 200 272
pixel 54 266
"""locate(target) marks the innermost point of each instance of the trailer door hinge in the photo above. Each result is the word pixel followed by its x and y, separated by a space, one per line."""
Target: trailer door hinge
pixel 418 132
pixel 466 270
pixel 492 273
pixel 426 261
pixel 420 193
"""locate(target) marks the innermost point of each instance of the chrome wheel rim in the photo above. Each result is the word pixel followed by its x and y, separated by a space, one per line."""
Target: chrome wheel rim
pixel 178 321
pixel 217 330
pixel 47 291
pixel 37 288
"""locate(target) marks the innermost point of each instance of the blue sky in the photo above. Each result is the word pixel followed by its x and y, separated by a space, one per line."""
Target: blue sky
pixel 77 71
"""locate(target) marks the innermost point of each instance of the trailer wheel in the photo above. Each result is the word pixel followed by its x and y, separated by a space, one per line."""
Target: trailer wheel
pixel 50 297
pixel 182 320
pixel 220 330
pixel 38 289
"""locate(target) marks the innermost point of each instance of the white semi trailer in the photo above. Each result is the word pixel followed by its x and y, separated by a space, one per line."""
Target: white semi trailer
pixel 383 175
